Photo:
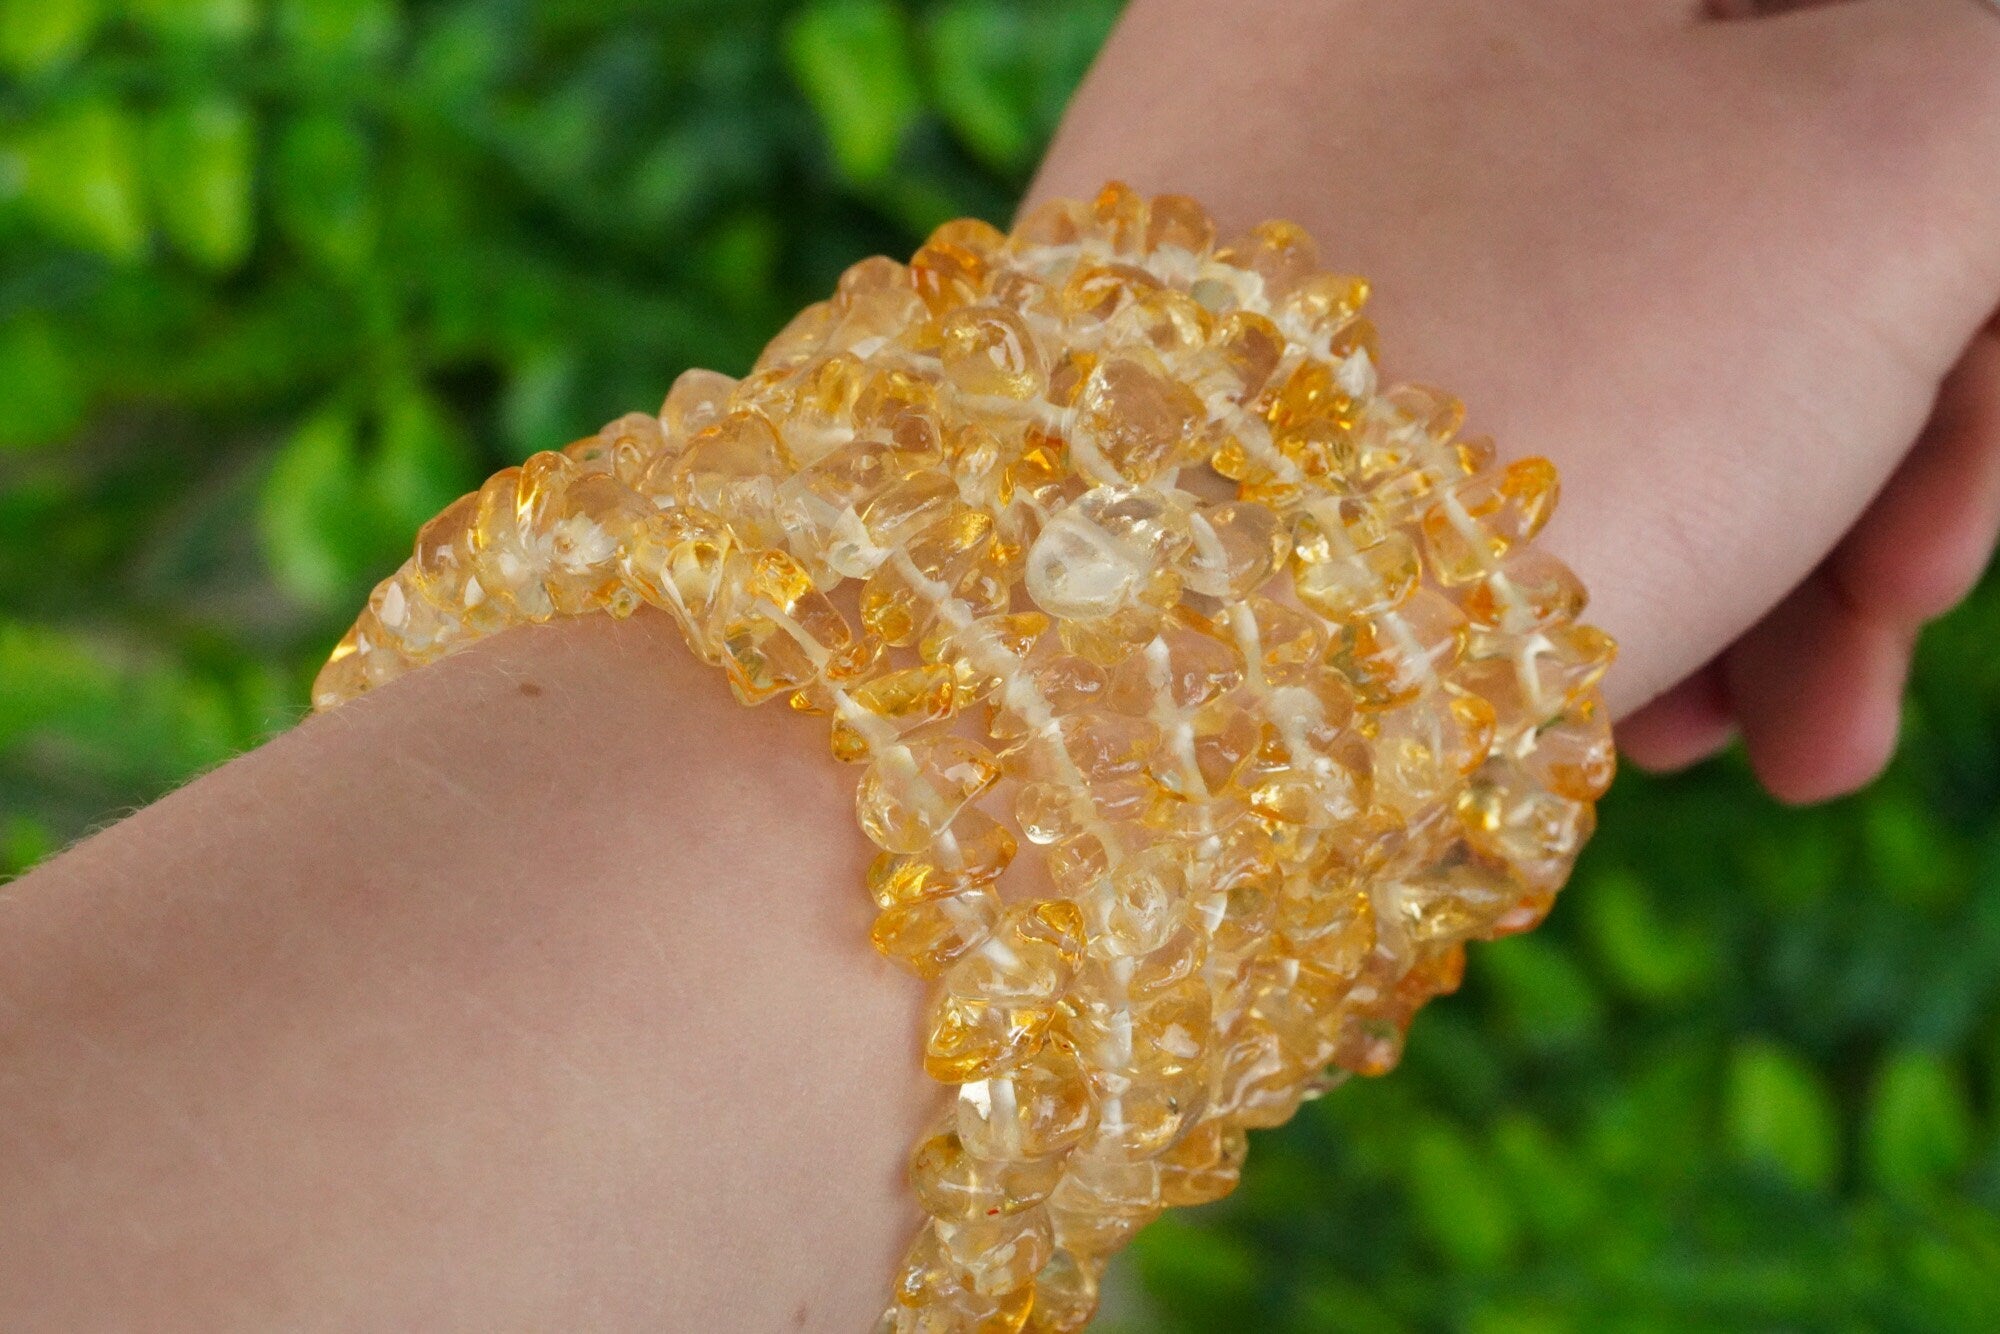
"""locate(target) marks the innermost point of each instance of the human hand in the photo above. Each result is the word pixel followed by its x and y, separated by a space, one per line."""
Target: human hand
pixel 1738 279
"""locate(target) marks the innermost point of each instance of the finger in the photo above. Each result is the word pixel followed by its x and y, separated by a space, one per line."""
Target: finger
pixel 1817 686
pixel 1927 538
pixel 1682 727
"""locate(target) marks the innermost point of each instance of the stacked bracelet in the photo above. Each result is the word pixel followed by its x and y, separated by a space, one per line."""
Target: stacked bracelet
pixel 1279 750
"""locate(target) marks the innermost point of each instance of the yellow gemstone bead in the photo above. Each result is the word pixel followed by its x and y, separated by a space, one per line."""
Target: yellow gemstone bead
pixel 1284 746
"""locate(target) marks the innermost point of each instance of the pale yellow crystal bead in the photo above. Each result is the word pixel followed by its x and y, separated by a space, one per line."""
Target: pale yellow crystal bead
pixel 624 448
pixel 1344 585
pixel 988 350
pixel 968 1038
pixel 1574 756
pixel 892 704
pixel 442 561
pixel 1204 1166
pixel 1107 550
pixel 1177 223
pixel 999 1255
pixel 952 1183
pixel 1233 548
pixel 1118 218
pixel 1065 1295
pixel 1527 590
pixel 1037 1108
pixel 947 275
pixel 417 626
pixel 594 523
pixel 697 401
pixel 1027 960
pixel 1281 254
pixel 1134 420
pixel 677 559
pixel 1319 306
pixel 1398 652
pixel 927 934
pixel 507 562
pixel 1481 519
pixel 909 794
pixel 1097 293
pixel 1286 750
pixel 1101 1201
pixel 973 850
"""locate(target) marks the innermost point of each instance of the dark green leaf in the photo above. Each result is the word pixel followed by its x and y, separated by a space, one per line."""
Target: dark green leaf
pixel 41 399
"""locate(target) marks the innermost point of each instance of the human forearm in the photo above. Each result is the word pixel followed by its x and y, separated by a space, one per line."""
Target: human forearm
pixel 534 990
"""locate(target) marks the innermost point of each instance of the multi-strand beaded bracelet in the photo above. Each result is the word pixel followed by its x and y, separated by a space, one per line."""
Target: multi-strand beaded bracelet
pixel 1280 748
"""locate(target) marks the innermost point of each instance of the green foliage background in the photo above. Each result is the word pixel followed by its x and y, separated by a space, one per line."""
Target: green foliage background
pixel 280 277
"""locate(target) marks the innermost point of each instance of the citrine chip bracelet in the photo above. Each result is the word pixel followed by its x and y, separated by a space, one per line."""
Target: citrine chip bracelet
pixel 1104 542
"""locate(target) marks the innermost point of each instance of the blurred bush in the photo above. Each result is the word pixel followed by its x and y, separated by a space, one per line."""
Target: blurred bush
pixel 279 277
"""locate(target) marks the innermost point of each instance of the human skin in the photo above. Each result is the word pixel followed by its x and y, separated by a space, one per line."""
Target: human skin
pixel 1717 271
pixel 532 990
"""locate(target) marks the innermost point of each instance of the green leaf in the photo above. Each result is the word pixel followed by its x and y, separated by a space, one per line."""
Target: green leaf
pixel 197 22
pixel 1645 955
pixel 1549 1180
pixel 307 514
pixel 47 676
pixel 421 464
pixel 1918 1130
pixel 1780 1117
pixel 854 62
pixel 337 32
pixel 1911 856
pixel 1548 1001
pixel 41 394
pixel 740 256
pixel 539 401
pixel 1196 1271
pixel 129 718
pixel 324 190
pixel 80 178
pixel 24 841
pixel 1459 1200
pixel 38 35
pixel 983 79
pixel 201 156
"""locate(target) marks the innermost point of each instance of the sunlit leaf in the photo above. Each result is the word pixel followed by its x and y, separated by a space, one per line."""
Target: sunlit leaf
pixel 338 30
pixel 201 155
pixel 420 464
pixel 80 177
pixel 37 35
pixel 1917 1133
pixel 853 58
pixel 1646 955
pixel 24 840
pixel 216 22
pixel 1780 1116
pixel 1547 999
pixel 983 80
pixel 307 514
pixel 1459 1200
